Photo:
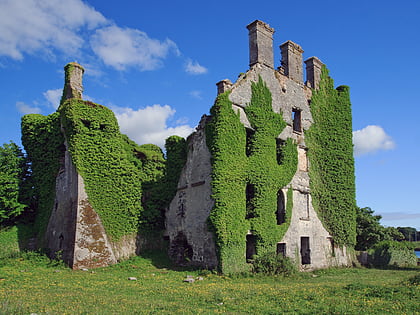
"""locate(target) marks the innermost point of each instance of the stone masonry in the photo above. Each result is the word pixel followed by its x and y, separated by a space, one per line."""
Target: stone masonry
pixel 306 241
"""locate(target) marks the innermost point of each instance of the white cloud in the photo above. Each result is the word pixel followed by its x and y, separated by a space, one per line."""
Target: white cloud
pixel 53 97
pixel 196 94
pixel 149 125
pixel 193 67
pixel 26 109
pixel 371 139
pixel 123 47
pixel 33 26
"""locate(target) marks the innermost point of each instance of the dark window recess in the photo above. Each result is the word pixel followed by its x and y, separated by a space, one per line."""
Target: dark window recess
pixel 281 249
pixel 251 249
pixel 332 245
pixel 305 250
pixel 249 138
pixel 250 195
pixel 281 209
pixel 85 122
pixel 296 117
pixel 279 150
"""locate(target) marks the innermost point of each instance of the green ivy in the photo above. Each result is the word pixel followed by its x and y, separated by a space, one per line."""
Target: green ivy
pixel 43 143
pixel 104 159
pixel 264 172
pixel 236 164
pixel 331 160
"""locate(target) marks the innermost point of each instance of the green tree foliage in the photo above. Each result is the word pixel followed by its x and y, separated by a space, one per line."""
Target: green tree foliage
pixel 409 233
pixel 12 175
pixel 237 165
pixel 331 159
pixel 370 232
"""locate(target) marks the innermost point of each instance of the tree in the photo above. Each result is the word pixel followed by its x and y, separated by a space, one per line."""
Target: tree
pixel 408 232
pixel 371 232
pixel 13 170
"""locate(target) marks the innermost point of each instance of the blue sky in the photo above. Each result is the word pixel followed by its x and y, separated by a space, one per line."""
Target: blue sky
pixel 156 64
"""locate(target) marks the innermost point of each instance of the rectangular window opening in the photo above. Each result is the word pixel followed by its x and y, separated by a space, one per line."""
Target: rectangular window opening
pixel 281 249
pixel 305 250
pixel 296 118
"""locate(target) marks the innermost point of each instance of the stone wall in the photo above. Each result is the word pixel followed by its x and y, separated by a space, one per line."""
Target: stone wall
pixel 191 243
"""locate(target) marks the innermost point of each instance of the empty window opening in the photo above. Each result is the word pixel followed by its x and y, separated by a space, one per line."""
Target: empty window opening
pixel 281 249
pixel 249 139
pixel 296 117
pixel 281 209
pixel 250 195
pixel 279 150
pixel 251 249
pixel 305 250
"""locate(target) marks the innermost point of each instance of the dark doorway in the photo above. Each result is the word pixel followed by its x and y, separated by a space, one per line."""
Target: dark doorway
pixel 251 249
pixel 281 209
pixel 305 250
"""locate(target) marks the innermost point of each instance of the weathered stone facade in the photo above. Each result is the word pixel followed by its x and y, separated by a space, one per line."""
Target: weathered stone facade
pixel 75 232
pixel 306 241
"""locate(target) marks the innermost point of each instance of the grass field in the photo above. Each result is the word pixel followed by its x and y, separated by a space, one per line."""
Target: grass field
pixel 30 283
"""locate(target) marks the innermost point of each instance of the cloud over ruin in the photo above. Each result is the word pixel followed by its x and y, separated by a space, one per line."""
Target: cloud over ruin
pixel 371 139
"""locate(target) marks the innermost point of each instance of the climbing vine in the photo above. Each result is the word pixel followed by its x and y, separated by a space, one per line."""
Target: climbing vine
pixel 43 143
pixel 239 163
pixel 105 161
pixel 264 172
pixel 331 159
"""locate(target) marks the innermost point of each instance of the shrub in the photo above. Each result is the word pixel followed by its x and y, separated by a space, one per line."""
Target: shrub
pixel 273 264
pixel 392 253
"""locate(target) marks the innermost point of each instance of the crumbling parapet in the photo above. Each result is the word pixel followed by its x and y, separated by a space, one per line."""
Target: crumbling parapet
pixel 223 86
pixel 73 81
pixel 260 44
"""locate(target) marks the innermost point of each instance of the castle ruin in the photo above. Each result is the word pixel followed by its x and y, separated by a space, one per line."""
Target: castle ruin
pixel 293 227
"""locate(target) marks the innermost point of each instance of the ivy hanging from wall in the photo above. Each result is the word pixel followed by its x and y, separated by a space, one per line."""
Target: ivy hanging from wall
pixel 241 160
pixel 331 160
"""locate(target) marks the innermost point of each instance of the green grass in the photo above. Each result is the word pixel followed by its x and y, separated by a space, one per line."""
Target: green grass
pixel 33 284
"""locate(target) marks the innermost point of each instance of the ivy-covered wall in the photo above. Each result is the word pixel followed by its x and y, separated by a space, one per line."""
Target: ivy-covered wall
pixel 331 160
pixel 44 145
pixel 239 162
pixel 112 177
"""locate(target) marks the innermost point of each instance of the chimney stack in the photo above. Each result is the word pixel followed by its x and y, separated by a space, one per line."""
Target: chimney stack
pixel 260 44
pixel 291 60
pixel 313 72
pixel 73 86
